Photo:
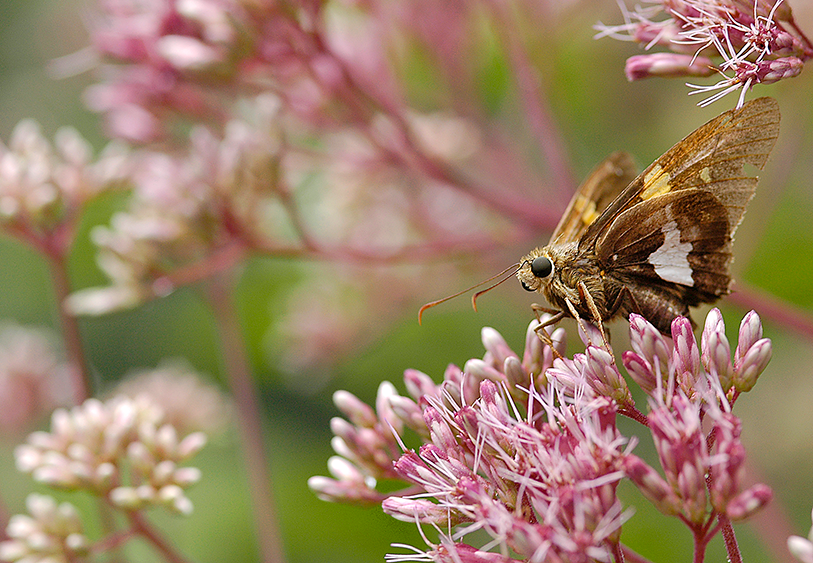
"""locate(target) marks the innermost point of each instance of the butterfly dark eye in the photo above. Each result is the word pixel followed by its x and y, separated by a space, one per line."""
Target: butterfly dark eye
pixel 541 267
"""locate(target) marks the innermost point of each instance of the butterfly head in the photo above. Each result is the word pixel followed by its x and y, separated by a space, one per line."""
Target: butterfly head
pixel 536 270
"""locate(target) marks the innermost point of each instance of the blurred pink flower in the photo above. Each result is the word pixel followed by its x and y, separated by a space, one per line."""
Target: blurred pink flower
pixel 33 377
pixel 188 402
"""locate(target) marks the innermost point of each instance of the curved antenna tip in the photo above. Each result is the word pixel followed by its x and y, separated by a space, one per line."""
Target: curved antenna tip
pixel 510 270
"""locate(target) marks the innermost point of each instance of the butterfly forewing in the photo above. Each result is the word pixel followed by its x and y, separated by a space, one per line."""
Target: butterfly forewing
pixel 604 183
pixel 710 159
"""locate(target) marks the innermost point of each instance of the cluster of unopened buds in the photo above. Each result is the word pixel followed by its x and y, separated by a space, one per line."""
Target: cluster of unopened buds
pixel 120 450
pixel 757 40
pixel 51 532
pixel 525 447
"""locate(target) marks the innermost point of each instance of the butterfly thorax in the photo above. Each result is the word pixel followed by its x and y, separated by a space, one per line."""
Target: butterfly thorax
pixel 570 267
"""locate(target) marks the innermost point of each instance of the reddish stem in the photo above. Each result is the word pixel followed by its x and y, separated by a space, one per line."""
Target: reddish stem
pixel 248 416
pixel 770 307
pixel 82 384
pixel 54 246
pixel 143 528
pixel 730 539
pixel 632 557
pixel 358 100
pixel 531 92
pixel 630 411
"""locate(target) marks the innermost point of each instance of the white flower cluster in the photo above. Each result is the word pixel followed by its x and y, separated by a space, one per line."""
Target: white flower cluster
pixel 120 449
pixel 53 533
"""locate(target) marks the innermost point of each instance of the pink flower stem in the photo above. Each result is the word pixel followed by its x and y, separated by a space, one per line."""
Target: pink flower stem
pixel 359 99
pixel 71 335
pixel 143 528
pixel 249 417
pixel 701 540
pixel 530 87
pixel 55 246
pixel 730 539
pixel 634 414
pixel 632 557
pixel 770 307
pixel 801 34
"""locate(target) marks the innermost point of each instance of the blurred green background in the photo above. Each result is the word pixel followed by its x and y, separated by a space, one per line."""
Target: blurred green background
pixel 598 112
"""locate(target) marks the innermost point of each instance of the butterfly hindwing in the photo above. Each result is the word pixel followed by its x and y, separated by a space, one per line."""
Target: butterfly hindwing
pixel 681 237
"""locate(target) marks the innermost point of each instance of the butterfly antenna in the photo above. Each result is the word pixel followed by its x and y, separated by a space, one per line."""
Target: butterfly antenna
pixel 508 272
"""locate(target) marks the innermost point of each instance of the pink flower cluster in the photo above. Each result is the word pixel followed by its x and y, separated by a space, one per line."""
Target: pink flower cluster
pixel 757 41
pixel 526 448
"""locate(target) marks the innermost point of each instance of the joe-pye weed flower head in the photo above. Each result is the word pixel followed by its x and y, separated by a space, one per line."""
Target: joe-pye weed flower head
pixel 526 448
pixel 757 41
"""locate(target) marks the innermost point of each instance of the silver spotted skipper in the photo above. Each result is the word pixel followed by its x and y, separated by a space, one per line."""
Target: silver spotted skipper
pixel 658 243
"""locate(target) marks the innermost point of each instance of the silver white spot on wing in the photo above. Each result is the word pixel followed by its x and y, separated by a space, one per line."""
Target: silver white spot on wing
pixel 671 259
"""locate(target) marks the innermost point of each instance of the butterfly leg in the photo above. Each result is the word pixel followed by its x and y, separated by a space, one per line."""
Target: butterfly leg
pixel 575 314
pixel 557 316
pixel 591 306
pixel 625 294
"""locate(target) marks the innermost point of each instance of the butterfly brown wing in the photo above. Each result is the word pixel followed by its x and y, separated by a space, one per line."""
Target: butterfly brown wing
pixel 602 186
pixel 710 159
pixel 675 223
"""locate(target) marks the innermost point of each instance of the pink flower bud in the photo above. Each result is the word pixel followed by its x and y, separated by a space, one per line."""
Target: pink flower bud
pixel 651 484
pixel 754 362
pixel 418 384
pixel 650 344
pixel 667 65
pixel 750 332
pixel 515 373
pixel 415 510
pixel 389 421
pixel 497 348
pixel 355 409
pixel 749 502
pixel 640 371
